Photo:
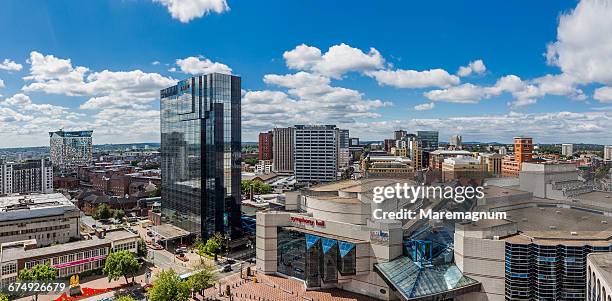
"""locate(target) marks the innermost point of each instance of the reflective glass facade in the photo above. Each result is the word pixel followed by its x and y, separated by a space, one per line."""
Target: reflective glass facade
pixel 200 154
pixel 315 259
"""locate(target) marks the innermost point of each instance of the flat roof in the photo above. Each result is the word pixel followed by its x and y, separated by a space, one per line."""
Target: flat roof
pixel 168 231
pixel 16 253
pixel 326 235
pixel 19 207
pixel 362 185
pixel 603 263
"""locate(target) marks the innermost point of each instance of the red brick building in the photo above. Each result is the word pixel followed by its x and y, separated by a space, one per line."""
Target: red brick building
pixel 265 146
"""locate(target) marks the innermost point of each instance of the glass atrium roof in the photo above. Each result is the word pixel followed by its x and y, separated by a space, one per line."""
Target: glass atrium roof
pixel 414 282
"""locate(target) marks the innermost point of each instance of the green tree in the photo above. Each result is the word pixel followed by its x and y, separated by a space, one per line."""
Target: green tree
pixel 142 249
pixel 257 186
pixel 601 172
pixel 118 214
pixel 39 273
pixel 122 263
pixel 251 161
pixel 3 297
pixel 202 279
pixel 103 212
pixel 156 192
pixel 168 286
pixel 212 247
pixel 125 298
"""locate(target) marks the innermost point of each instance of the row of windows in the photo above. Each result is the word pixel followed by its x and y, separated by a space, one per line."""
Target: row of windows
pixel 35 230
pixel 69 257
pixel 125 246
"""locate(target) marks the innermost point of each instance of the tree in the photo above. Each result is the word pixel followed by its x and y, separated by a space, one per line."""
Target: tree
pixel 103 212
pixel 38 273
pixel 257 186
pixel 251 161
pixel 601 172
pixel 122 263
pixel 168 286
pixel 142 249
pixel 202 279
pixel 212 247
pixel 118 214
pixel 3 297
pixel 125 298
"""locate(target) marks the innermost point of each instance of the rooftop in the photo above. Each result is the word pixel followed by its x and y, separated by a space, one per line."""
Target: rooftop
pixel 19 207
pixel 602 262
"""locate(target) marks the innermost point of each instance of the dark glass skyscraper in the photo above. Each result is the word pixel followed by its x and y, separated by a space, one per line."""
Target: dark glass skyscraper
pixel 200 153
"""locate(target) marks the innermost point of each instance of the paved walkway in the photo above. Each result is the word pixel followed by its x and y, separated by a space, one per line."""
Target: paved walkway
pixel 274 288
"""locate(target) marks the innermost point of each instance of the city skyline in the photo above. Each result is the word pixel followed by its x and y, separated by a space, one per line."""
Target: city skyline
pixel 410 67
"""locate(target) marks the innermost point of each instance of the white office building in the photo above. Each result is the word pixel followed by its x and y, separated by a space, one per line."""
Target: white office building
pixel 31 176
pixel 316 153
pixel 567 149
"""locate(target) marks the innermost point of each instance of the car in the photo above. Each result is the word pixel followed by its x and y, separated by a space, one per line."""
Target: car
pixel 251 260
pixel 150 234
pixel 227 268
pixel 179 252
pixel 230 261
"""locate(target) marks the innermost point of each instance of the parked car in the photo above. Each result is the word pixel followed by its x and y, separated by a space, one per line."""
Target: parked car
pixel 227 268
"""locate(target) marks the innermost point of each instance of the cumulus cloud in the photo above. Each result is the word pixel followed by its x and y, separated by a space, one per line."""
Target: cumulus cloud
pixel 187 10
pixel 424 106
pixel 603 94
pixel 414 79
pixel 305 98
pixel 54 75
pixel 524 92
pixel 10 65
pixel 477 67
pixel 584 43
pixel 199 65
pixel 337 61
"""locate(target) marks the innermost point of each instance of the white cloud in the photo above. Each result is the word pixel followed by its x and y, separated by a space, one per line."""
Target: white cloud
pixel 306 98
pixel 337 61
pixel 187 10
pixel 424 106
pixel 1 83
pixel 10 65
pixel 53 75
pixel 584 43
pixel 415 79
pixel 477 67
pixel 199 65
pixel 524 92
pixel 155 63
pixel 603 94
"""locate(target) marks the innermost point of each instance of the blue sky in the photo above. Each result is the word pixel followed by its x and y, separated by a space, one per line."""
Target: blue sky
pixel 540 69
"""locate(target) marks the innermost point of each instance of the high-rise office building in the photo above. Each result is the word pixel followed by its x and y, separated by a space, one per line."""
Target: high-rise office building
pixel 200 154
pixel 265 146
pixel 69 149
pixel 316 153
pixel 523 149
pixel 26 177
pixel 282 150
pixel 567 149
pixel 344 154
pixel 455 140
pixel 429 139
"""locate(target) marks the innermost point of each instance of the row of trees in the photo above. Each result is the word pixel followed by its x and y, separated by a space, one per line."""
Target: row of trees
pixel 168 285
pixel 105 212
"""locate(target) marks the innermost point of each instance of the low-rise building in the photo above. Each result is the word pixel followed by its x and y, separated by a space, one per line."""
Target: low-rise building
pixel 69 259
pixel 493 162
pixel 599 276
pixel 48 218
pixel 436 158
pixel 462 167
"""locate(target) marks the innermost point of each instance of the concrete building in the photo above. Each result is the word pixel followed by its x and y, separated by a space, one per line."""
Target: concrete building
pixel 336 243
pixel 265 145
pixel 493 162
pixel 455 140
pixel 567 149
pixel 416 154
pixel 30 176
pixel 389 144
pixel 437 157
pixel 608 153
pixel 48 218
pixel 282 150
pixel 316 150
pixel 399 134
pixel 69 149
pixel 429 139
pixel 557 181
pixel 538 253
pixel 599 277
pixel 463 167
pixel 69 258
pixel 387 166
